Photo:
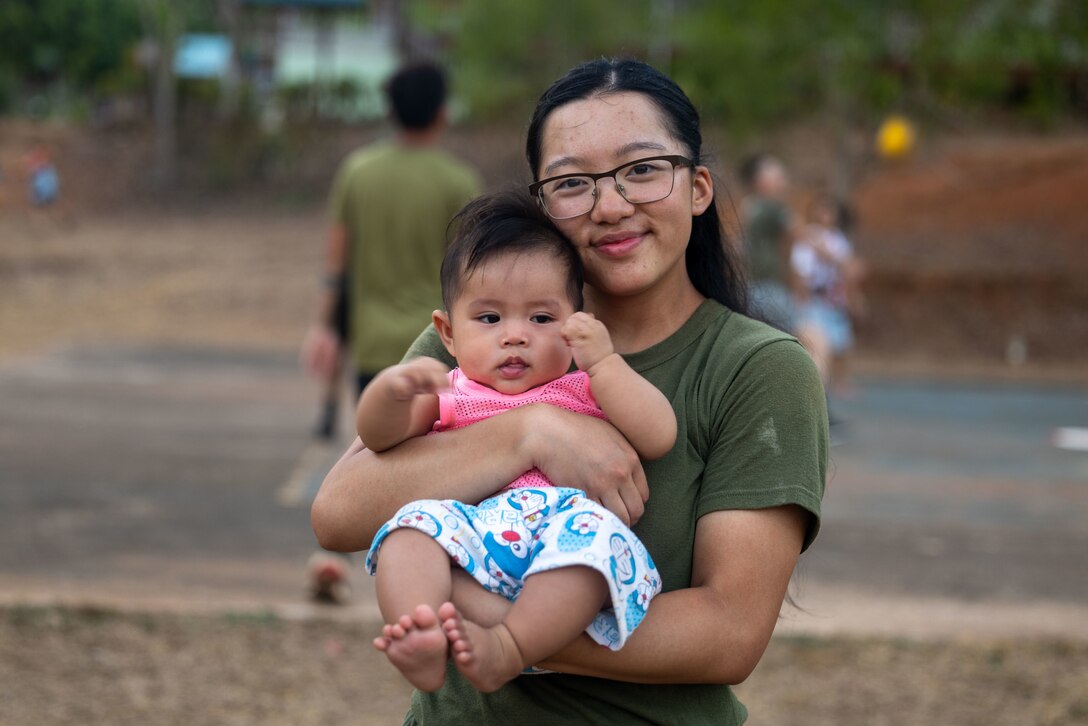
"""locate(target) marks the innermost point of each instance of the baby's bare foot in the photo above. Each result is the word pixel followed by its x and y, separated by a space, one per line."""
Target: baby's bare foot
pixel 487 657
pixel 418 647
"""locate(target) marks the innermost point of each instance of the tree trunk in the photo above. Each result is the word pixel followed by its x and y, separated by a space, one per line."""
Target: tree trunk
pixel 230 85
pixel 163 21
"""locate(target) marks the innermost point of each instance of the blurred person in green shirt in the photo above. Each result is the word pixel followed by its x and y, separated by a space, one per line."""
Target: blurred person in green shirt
pixel 389 207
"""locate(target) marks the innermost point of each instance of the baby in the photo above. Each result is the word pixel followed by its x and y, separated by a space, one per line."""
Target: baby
pixel 512 289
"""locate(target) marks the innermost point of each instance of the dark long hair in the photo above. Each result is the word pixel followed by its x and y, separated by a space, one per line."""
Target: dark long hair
pixel 713 264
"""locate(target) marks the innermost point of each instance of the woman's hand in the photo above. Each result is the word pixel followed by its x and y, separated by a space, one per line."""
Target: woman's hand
pixel 575 450
pixel 365 489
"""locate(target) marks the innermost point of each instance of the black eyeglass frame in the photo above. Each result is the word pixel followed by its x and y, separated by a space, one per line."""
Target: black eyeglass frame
pixel 675 159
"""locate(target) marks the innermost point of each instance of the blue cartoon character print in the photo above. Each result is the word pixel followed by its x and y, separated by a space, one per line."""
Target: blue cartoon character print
pixel 520 532
pixel 623 560
pixel 579 531
pixel 423 521
pixel 461 555
pixel 639 600
pixel 531 504
pixel 510 551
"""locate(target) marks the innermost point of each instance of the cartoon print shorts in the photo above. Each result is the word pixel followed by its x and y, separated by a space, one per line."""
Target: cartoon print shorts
pixel 520 532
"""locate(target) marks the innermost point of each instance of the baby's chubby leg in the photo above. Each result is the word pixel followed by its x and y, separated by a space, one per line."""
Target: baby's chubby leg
pixel 412 580
pixel 553 608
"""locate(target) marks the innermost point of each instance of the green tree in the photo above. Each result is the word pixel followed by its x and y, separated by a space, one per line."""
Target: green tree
pixel 164 21
pixel 754 64
pixel 82 44
pixel 506 53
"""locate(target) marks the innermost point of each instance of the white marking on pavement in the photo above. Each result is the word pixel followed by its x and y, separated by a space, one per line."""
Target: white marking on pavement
pixel 312 466
pixel 1072 438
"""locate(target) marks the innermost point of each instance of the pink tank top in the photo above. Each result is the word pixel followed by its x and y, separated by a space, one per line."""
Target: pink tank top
pixel 468 402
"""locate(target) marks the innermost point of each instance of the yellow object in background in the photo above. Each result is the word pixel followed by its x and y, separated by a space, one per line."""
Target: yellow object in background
pixel 895 138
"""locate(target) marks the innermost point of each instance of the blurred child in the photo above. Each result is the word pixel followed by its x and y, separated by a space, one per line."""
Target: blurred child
pixel 43 180
pixel 769 236
pixel 824 261
pixel 511 287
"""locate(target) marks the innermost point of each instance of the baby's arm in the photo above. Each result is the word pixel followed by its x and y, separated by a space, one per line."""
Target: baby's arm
pixel 400 403
pixel 633 404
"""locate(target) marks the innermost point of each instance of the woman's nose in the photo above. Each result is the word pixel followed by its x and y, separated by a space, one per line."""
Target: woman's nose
pixel 611 206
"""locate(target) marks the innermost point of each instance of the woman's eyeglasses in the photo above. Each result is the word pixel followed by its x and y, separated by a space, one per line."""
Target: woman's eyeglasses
pixel 639 182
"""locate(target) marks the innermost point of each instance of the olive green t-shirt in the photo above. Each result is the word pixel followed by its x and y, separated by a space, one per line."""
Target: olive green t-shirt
pixel 752 434
pixel 395 201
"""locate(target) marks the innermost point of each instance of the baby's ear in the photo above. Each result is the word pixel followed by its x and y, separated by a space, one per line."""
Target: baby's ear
pixel 442 324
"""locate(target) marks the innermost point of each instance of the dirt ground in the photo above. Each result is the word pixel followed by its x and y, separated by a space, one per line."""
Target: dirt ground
pixel 972 244
pixel 975 245
pixel 64 666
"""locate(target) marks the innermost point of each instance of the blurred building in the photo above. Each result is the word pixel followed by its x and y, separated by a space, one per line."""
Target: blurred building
pixel 331 53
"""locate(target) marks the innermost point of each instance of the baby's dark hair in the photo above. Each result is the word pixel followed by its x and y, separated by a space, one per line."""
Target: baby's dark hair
pixel 498 223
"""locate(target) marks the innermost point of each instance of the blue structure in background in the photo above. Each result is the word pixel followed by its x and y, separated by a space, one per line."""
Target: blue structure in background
pixel 324 44
pixel 202 56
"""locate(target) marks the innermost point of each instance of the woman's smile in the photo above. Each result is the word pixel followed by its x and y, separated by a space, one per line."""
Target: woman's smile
pixel 618 244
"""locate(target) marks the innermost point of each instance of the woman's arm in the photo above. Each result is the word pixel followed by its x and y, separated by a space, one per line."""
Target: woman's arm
pixel 716 630
pixel 364 489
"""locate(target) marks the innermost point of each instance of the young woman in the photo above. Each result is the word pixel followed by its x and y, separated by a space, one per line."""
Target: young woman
pixel 724 515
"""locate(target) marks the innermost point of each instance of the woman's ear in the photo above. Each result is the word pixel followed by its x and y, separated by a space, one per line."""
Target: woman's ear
pixel 445 331
pixel 702 190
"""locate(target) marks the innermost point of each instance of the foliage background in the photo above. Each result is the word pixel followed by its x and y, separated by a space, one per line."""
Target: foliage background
pixel 749 64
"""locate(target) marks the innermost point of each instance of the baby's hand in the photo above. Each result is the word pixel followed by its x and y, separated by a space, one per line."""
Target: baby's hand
pixel 418 376
pixel 588 338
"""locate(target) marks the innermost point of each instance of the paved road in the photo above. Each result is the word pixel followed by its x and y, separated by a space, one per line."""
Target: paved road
pixel 960 491
pixel 951 509
pixel 148 475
